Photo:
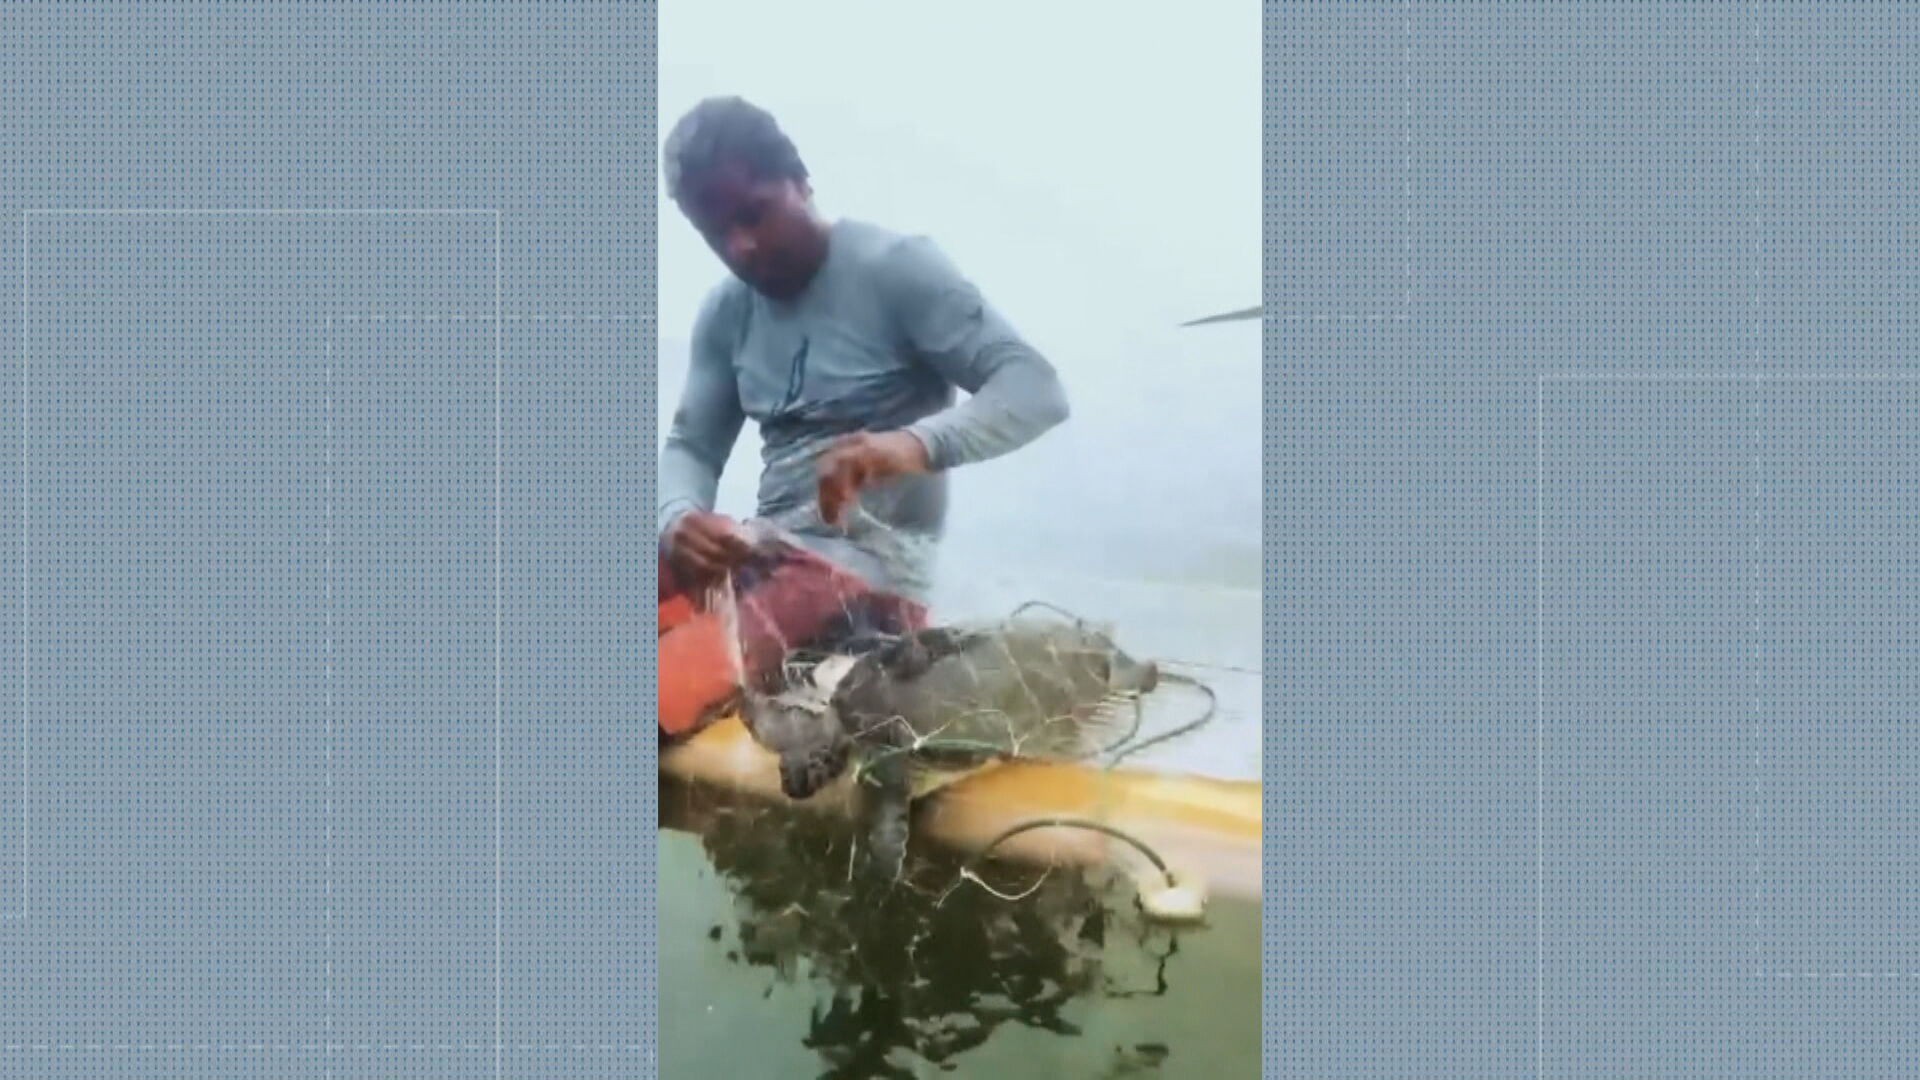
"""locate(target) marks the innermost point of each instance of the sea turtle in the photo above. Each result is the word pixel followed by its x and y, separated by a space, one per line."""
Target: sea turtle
pixel 920 710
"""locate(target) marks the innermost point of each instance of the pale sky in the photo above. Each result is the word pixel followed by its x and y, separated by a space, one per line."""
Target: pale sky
pixel 1095 168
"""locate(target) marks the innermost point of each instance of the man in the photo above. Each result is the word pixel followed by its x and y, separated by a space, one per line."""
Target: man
pixel 845 342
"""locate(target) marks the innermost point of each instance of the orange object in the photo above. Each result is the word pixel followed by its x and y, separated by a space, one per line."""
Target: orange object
pixel 786 599
pixel 697 678
pixel 675 610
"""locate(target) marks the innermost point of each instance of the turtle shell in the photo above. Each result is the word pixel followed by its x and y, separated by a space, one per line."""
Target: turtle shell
pixel 958 699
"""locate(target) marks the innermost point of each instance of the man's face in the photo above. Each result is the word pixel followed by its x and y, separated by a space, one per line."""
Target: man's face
pixel 763 230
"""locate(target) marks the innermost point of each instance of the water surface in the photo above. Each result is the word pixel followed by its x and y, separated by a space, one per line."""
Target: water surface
pixel 776 963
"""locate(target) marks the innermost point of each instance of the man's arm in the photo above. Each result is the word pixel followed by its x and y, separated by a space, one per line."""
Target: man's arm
pixel 1015 395
pixel 705 426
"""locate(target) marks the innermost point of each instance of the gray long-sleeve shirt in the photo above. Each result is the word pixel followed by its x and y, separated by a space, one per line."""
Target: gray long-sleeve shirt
pixel 880 339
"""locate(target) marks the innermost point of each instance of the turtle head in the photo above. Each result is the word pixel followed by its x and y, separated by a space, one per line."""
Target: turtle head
pixel 1134 676
pixel 1125 674
pixel 805 732
pixel 802 727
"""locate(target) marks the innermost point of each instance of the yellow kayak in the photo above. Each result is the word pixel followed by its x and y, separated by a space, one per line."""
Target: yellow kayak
pixel 1208 830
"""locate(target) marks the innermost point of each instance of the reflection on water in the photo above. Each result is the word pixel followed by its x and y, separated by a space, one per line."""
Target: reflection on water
pixel 914 978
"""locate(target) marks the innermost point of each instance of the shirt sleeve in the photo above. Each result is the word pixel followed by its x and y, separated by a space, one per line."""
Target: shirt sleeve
pixel 1014 393
pixel 706 424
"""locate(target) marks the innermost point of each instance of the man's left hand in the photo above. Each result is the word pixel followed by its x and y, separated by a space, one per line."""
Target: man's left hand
pixel 866 458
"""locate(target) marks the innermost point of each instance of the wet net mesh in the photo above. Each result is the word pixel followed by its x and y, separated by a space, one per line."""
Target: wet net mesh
pixel 820 657
pixel 925 963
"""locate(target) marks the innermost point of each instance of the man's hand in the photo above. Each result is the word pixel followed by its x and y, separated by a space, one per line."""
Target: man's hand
pixel 866 458
pixel 704 545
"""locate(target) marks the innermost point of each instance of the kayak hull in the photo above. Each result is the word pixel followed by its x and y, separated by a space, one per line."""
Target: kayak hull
pixel 1206 829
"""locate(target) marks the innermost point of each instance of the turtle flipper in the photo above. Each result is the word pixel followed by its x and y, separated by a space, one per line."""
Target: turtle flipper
pixel 887 839
pixel 888 810
pixel 804 771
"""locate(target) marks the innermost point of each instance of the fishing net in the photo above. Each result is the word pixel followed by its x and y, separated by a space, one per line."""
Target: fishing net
pixel 736 639
pixel 927 960
pixel 817 657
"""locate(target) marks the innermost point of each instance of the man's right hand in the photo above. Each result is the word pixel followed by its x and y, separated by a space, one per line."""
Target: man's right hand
pixel 704 545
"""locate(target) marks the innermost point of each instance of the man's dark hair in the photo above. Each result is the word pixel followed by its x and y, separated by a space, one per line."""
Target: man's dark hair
pixel 724 131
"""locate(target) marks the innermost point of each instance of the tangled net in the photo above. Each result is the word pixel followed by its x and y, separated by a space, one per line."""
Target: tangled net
pixel 789 612
pixel 835 675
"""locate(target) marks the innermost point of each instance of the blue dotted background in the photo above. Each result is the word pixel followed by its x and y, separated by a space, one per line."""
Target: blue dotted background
pixel 329 477
pixel 1590 559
